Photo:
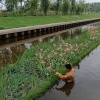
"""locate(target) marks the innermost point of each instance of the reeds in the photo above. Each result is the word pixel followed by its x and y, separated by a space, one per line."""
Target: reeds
pixel 40 62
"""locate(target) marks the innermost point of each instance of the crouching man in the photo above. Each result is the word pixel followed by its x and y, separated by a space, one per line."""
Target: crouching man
pixel 69 76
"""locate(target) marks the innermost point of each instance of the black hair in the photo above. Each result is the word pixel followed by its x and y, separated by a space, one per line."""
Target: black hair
pixel 68 66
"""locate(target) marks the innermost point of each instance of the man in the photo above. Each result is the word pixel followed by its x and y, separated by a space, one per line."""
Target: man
pixel 69 76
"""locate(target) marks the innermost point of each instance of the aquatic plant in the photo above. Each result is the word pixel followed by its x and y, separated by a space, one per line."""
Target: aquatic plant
pixel 41 61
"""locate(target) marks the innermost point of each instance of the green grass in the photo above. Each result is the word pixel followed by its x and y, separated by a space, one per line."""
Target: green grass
pixel 33 95
pixel 15 22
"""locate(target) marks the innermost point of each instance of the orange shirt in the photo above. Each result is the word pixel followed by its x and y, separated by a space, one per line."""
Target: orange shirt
pixel 68 77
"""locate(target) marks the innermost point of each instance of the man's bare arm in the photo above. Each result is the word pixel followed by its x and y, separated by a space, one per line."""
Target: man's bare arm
pixel 63 77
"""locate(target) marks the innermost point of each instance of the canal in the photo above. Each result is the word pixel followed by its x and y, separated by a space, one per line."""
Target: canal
pixel 87 81
pixel 11 49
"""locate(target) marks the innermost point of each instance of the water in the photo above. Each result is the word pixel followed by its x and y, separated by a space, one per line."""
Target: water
pixel 87 81
pixel 12 49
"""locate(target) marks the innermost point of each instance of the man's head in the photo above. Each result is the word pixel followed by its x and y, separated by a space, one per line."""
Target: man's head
pixel 68 66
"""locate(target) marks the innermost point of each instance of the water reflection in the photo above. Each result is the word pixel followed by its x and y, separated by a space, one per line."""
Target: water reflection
pixel 9 55
pixel 8 51
pixel 28 45
pixel 11 49
pixel 76 32
pixel 87 82
pixel 77 66
pixel 40 39
pixel 66 88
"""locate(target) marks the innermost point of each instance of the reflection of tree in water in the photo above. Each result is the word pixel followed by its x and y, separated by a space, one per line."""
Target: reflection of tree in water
pixel 66 88
pixel 75 32
pixel 28 45
pixel 65 35
pixel 10 55
pixel 77 66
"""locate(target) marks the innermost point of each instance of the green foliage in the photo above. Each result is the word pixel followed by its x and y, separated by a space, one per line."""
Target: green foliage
pixel 45 6
pixel 82 6
pixel 33 5
pixel 93 7
pixel 73 6
pixel 12 5
pixel 57 6
pixel 65 7
pixel 34 72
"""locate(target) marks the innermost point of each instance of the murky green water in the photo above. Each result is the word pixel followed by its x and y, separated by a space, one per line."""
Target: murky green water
pixel 11 49
pixel 87 81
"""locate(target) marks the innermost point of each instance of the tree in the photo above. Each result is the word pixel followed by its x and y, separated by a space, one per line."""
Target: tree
pixel 45 6
pixel 82 5
pixel 21 1
pixel 78 9
pixel 86 8
pixel 33 4
pixel 57 6
pixel 52 6
pixel 65 7
pixel 73 2
pixel 11 5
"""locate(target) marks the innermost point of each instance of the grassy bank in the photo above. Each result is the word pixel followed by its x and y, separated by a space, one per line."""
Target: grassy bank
pixel 15 22
pixel 34 72
pixel 53 79
pixel 33 95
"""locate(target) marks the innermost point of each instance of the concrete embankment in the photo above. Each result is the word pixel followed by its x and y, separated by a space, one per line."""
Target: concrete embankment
pixel 44 29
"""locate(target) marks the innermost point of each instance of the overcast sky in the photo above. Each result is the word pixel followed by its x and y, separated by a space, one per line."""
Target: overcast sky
pixel 92 1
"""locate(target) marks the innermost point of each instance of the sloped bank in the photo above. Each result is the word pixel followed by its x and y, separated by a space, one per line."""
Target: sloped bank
pixel 53 79
pixel 34 73
pixel 33 95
